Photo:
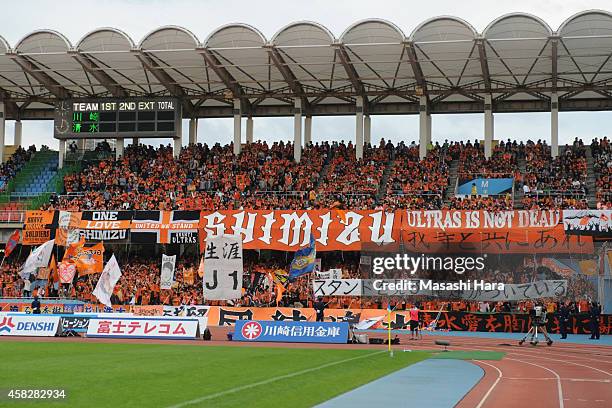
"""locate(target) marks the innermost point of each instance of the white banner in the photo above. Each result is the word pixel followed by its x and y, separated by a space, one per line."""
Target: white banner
pixel 367 323
pixel 167 271
pixel 331 274
pixel 587 222
pixel 337 287
pixel 29 325
pixel 166 328
pixel 478 290
pixel 39 258
pixel 520 291
pixel 186 311
pixel 108 280
pixel 223 268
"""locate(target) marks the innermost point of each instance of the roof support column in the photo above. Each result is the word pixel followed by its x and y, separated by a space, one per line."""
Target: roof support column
pixel 178 144
pixel 307 130
pixel 119 144
pixel 237 122
pixel 359 128
pixel 18 133
pixel 297 129
pixel 423 126
pixel 367 130
pixel 554 124
pixel 135 141
pixel 62 153
pixel 249 130
pixel 2 132
pixel 178 140
pixel 193 131
pixel 489 126
pixel 428 133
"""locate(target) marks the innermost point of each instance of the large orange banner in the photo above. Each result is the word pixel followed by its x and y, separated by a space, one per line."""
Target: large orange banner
pixel 517 231
pixel 36 228
pixel 291 230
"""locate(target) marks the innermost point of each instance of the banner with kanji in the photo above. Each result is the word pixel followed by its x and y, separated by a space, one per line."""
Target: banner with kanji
pixel 223 268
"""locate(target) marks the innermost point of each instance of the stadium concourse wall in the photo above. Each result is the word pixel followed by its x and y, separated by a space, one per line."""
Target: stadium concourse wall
pixel 227 316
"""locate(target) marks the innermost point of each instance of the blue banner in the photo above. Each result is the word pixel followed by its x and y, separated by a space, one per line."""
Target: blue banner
pixel 486 186
pixel 291 332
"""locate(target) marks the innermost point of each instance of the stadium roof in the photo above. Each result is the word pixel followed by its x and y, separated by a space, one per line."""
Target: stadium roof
pixel 518 59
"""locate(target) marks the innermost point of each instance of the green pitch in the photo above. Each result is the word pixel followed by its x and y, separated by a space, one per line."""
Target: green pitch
pixel 137 375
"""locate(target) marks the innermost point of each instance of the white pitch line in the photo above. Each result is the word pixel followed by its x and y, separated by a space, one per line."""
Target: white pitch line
pixel 499 377
pixel 269 380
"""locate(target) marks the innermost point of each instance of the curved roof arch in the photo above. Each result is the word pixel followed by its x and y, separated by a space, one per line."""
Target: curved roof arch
pixel 305 47
pixel 372 30
pixel 105 39
pixel 4 46
pixel 300 32
pixel 375 48
pixel 43 41
pixel 585 41
pixel 517 25
pixel 443 28
pixel 445 49
pixel 168 38
pixel 518 49
pixel 576 22
pixel 235 35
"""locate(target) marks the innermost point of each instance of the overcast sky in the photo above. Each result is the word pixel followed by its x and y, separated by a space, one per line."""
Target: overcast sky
pixel 138 17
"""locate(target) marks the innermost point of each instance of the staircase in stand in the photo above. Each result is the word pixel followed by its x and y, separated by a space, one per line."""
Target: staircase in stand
pixel 591 185
pixel 519 195
pixel 453 170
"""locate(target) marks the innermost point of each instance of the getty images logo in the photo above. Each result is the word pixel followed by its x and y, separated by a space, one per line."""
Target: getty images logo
pixel 6 324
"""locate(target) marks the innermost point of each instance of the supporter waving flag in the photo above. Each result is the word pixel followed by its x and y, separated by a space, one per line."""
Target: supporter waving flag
pixel 11 244
pixel 303 261
pixel 108 280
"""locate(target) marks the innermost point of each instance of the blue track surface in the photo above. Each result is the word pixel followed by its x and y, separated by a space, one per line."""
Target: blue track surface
pixel 428 383
pixel 571 338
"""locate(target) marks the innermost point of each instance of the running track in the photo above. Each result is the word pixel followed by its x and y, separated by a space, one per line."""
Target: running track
pixel 562 376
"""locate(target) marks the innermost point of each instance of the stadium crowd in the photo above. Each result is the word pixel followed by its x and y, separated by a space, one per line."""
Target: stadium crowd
pixel 265 176
pixel 389 176
pixel 140 284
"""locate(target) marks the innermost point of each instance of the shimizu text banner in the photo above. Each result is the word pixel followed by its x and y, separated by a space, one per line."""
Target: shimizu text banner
pixel 289 230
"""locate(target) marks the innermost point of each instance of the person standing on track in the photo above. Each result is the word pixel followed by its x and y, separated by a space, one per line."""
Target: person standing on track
pixel 594 313
pixel 414 323
pixel 564 315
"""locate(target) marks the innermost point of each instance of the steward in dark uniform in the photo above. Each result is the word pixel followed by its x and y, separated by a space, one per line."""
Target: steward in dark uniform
pixel 594 313
pixel 564 316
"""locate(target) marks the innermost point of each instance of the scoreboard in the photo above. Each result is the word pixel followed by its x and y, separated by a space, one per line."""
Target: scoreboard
pixel 117 118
